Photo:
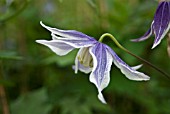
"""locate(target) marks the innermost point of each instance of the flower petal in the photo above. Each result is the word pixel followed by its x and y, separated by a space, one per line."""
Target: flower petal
pixel 137 67
pixel 145 36
pixel 161 22
pixel 57 47
pixel 63 45
pixel 71 34
pixel 128 71
pixel 102 61
pixel 82 68
pixel 77 43
pixel 79 66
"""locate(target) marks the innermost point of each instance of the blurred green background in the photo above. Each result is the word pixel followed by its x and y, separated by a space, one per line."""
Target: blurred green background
pixel 33 80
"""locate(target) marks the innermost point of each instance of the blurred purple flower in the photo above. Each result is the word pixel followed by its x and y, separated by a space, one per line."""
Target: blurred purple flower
pixel 160 25
pixel 93 56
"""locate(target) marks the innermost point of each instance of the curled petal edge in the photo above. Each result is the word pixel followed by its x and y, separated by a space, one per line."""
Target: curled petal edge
pixel 145 36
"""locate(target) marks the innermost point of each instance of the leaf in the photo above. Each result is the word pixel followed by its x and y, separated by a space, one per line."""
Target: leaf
pixel 77 96
pixel 32 103
pixel 6 83
pixel 83 105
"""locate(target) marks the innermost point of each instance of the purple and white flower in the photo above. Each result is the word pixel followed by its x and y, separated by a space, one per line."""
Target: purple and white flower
pixel 160 24
pixel 93 56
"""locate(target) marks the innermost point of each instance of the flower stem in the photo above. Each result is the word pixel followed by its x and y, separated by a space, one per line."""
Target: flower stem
pixel 139 58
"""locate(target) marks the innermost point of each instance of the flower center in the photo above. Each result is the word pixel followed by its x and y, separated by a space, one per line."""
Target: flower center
pixel 85 58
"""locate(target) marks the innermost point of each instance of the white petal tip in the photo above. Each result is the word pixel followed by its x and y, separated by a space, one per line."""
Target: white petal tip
pixel 47 27
pixel 101 98
pixel 146 79
pixel 40 41
pixel 137 76
pixel 37 41
pixel 137 67
pixel 154 46
pixel 133 40
pixel 143 78
pixel 75 71
pixel 43 25
pixel 156 43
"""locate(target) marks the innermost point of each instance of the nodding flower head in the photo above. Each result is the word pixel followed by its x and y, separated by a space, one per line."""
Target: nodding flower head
pixel 160 24
pixel 93 56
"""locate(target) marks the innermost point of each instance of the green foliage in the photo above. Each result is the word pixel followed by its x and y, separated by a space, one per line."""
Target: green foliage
pixel 9 55
pixel 81 105
pixel 67 60
pixel 37 81
pixel 35 102
pixel 6 82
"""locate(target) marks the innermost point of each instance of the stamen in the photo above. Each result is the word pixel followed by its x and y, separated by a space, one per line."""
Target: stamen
pixel 85 58
pixel 91 63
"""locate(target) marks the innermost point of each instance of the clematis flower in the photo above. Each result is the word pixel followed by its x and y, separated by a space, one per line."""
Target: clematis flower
pixel 93 56
pixel 160 24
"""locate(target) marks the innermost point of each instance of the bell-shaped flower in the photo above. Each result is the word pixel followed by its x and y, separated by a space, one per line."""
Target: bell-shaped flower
pixel 93 56
pixel 160 24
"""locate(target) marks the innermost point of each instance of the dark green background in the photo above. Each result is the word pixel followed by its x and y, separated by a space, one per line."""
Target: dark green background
pixel 37 81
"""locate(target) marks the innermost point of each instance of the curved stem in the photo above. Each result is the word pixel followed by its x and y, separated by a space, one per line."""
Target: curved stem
pixel 139 58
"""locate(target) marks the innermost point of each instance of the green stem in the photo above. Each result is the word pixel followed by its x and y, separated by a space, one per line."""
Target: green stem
pixel 139 58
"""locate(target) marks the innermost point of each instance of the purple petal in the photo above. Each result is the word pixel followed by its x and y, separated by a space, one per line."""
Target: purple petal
pixel 129 72
pixel 145 36
pixel 161 22
pixel 71 34
pixel 57 47
pixel 66 40
pixel 77 43
pixel 102 61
